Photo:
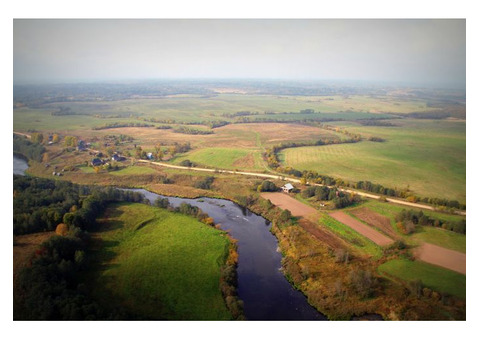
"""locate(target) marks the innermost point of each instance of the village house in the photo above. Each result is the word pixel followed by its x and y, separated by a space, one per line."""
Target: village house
pixel 118 158
pixel 81 145
pixel 287 188
pixel 97 162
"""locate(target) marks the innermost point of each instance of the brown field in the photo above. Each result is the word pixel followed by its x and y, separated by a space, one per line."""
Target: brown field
pixel 284 201
pixel 321 234
pixel 24 247
pixel 234 135
pixel 361 228
pixel 442 257
pixel 374 219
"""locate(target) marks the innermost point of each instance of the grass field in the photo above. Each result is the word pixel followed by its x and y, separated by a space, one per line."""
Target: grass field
pixel 223 158
pixel 427 156
pixel 194 109
pixel 437 236
pixel 358 241
pixel 159 264
pixel 436 278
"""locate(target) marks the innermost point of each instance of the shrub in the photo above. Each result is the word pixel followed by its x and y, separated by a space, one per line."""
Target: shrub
pixel 267 186
pixel 205 183
pixel 62 229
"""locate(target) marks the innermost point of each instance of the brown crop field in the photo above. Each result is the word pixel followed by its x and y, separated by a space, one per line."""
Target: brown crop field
pixel 284 201
pixel 361 228
pixel 442 257
pixel 322 234
pixel 374 219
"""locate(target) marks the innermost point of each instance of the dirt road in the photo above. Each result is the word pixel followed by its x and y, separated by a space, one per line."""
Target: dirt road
pixel 284 201
pixel 293 180
pixel 442 257
pixel 362 228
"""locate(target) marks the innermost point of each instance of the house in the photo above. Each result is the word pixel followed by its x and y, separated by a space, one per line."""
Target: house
pixel 97 162
pixel 118 158
pixel 81 145
pixel 287 187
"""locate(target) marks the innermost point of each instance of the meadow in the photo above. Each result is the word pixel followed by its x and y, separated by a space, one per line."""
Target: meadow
pixel 436 278
pixel 426 156
pixel 148 261
pixel 437 236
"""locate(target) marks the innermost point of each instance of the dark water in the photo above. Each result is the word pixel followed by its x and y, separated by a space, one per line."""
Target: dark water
pixel 266 293
pixel 19 166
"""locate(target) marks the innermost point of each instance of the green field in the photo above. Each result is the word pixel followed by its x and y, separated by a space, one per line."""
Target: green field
pixel 222 158
pixel 437 236
pixel 436 278
pixel 194 109
pixel 360 242
pixel 159 264
pixel 426 156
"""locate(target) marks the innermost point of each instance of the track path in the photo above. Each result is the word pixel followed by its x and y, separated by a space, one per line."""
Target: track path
pixel 293 180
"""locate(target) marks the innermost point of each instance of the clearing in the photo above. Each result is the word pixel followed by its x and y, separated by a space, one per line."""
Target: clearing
pixel 361 228
pixel 158 264
pixel 442 257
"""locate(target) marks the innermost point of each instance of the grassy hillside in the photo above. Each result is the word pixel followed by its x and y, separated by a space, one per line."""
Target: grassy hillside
pixel 159 264
pixel 429 157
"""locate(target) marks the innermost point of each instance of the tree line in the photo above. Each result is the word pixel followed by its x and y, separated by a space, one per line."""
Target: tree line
pixel 41 204
pixel 28 149
pixel 408 220
pixel 339 199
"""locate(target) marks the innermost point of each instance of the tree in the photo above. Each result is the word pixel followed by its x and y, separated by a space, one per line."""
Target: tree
pixel 37 137
pixel 55 138
pixel 71 141
pixel 62 229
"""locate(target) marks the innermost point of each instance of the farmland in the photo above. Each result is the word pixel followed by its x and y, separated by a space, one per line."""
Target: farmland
pixel 426 156
pixel 435 277
pixel 138 241
pixel 235 129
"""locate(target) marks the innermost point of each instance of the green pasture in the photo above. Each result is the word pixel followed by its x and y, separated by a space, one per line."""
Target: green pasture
pixel 357 240
pixel 437 236
pixel 428 157
pixel 436 278
pixel 194 109
pixel 159 264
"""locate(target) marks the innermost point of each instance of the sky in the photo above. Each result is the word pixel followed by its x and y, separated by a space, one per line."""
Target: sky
pixel 424 51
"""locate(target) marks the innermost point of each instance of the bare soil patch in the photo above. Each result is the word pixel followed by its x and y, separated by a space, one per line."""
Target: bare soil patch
pixel 374 219
pixel 322 234
pixel 362 228
pixel 284 201
pixel 442 257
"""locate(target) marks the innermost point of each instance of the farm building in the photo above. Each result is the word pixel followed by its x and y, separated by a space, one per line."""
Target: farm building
pixel 118 158
pixel 97 162
pixel 81 145
pixel 287 187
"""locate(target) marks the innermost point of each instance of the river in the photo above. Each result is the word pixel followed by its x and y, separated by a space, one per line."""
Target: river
pixel 264 290
pixel 19 166
pixel 266 293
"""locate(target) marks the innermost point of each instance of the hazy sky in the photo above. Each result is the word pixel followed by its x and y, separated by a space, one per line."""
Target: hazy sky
pixel 422 51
